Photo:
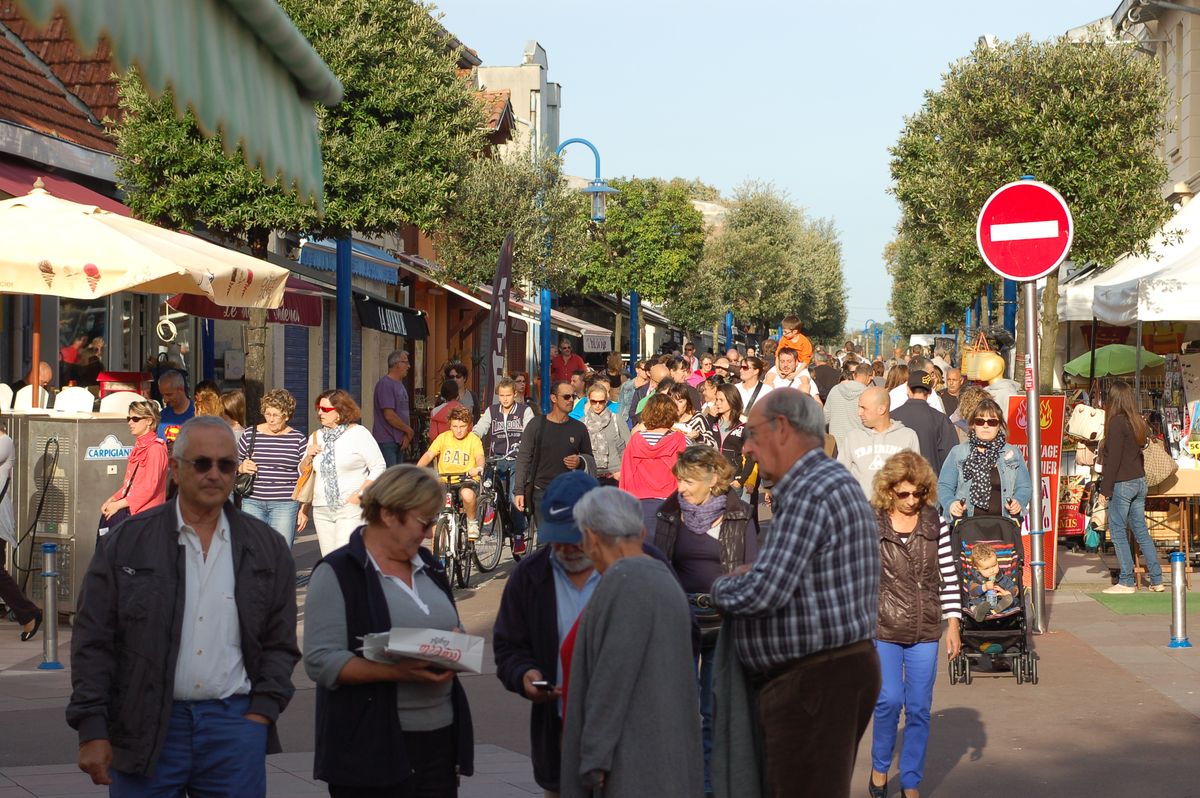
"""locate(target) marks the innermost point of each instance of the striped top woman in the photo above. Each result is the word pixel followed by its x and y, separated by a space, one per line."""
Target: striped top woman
pixel 272 451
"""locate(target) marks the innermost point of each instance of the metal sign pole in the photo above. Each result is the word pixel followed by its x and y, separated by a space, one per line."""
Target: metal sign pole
pixel 1033 402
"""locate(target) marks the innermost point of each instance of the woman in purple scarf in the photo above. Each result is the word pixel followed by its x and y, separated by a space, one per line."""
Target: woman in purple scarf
pixel 706 531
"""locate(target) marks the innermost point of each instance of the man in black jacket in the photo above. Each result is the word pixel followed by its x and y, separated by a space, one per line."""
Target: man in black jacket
pixel 550 445
pixel 935 432
pixel 162 700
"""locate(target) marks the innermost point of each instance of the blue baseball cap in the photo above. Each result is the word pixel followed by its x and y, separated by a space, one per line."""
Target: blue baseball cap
pixel 556 520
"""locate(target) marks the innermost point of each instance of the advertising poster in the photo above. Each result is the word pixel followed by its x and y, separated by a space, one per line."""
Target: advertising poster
pixel 1051 417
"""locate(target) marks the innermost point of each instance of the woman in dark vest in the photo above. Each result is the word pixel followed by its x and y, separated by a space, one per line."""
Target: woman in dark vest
pixel 918 589
pixel 386 729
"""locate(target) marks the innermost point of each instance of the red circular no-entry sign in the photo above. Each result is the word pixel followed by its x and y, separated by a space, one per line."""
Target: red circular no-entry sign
pixel 1024 230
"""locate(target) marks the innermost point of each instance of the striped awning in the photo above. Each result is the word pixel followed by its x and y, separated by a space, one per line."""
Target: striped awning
pixel 240 65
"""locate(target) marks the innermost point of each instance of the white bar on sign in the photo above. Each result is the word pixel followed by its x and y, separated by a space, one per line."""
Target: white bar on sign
pixel 1023 231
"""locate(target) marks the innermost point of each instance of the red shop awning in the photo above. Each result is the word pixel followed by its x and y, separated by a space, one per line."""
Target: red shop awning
pixel 17 179
pixel 301 306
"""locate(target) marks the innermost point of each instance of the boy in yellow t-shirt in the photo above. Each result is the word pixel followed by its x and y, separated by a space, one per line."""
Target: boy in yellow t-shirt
pixel 459 452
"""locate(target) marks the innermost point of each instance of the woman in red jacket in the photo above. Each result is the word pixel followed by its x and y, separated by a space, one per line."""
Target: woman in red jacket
pixel 145 482
pixel 650 455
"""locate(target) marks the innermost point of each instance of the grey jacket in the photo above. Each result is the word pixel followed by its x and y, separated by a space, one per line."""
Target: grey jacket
pixel 841 409
pixel 125 643
pixel 865 451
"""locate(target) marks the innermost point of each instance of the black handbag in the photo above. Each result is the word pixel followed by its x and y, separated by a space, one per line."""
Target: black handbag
pixel 114 520
pixel 245 482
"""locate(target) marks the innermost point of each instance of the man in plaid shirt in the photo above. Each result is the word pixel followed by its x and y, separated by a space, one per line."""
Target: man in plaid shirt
pixel 804 613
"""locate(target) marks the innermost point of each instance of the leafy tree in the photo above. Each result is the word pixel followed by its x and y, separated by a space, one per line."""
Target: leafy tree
pixel 532 201
pixel 1085 117
pixel 697 189
pixel 650 242
pixel 393 150
pixel 770 261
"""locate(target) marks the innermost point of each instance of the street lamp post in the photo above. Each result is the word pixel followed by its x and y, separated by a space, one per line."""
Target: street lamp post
pixel 599 189
pixel 866 331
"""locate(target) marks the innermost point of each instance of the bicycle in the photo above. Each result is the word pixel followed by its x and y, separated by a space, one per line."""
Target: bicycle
pixel 451 545
pixel 496 519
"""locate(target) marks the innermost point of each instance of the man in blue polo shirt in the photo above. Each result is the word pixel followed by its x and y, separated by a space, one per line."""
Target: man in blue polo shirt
pixel 177 407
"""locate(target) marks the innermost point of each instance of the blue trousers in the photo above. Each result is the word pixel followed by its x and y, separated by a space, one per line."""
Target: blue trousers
pixel 908 673
pixel 211 751
pixel 279 515
pixel 1127 511
pixel 392 453
pixel 707 665
pixel 504 472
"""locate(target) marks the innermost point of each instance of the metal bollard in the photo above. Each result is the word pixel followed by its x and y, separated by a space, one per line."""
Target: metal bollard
pixel 1179 638
pixel 50 611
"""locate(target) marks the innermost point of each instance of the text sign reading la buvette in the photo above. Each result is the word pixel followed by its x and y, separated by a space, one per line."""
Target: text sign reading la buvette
pixel 1024 230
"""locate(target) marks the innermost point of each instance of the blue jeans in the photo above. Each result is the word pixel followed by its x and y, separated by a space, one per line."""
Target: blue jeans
pixel 908 673
pixel 1127 511
pixel 211 751
pixel 392 453
pixel 504 471
pixel 278 514
pixel 708 661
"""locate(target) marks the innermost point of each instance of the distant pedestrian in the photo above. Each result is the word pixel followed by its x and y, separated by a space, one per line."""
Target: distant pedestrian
pixel 867 449
pixel 841 409
pixel 565 363
pixel 899 392
pixel 392 426
pixel 145 482
pixel 552 444
pixel 609 435
pixel 272 451
pixel 177 407
pixel 439 417
pixel 650 455
pixel 184 639
pixel 805 612
pixel 918 575
pixel 500 428
pixel 954 386
pixel 987 474
pixel 935 431
pixel 345 461
pixel 457 372
pixel 398 728
pixel 233 409
pixel 631 728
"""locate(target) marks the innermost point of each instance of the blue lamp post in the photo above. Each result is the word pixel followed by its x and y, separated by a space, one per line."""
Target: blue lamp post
pixel 866 331
pixel 599 190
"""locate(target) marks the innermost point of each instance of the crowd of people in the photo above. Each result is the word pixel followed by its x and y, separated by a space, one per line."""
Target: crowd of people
pixel 733 570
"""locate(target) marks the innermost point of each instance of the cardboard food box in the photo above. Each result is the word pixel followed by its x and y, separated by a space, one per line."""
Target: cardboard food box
pixel 451 650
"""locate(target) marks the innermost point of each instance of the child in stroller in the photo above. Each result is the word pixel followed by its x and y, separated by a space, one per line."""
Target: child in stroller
pixel 989 592
pixel 989 553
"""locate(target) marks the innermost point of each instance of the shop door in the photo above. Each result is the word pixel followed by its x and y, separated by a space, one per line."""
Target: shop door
pixel 295 366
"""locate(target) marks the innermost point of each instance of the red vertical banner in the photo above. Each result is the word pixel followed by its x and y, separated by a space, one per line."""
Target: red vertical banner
pixel 497 362
pixel 1051 417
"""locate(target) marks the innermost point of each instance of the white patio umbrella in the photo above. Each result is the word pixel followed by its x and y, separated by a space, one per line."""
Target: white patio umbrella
pixel 55 247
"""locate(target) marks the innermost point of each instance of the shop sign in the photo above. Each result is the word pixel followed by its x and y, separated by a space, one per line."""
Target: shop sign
pixel 108 449
pixel 390 318
pixel 1051 417
pixel 594 342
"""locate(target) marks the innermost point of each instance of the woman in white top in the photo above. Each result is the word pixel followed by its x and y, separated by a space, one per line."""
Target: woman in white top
pixel 345 460
pixel 751 388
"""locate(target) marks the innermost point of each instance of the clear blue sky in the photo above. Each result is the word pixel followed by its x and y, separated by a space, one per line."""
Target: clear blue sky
pixel 807 95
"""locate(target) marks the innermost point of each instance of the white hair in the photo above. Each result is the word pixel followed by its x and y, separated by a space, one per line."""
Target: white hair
pixel 179 448
pixel 171 378
pixel 799 410
pixel 610 512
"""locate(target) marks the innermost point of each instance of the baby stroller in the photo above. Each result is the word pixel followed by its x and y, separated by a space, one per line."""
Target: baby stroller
pixel 1003 636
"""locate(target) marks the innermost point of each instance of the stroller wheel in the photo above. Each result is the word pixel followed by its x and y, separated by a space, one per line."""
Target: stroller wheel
pixel 966 671
pixel 953 670
pixel 1033 677
pixel 1019 669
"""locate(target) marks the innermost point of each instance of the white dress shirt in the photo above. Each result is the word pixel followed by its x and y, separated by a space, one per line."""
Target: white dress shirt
pixel 899 395
pixel 210 662
pixel 418 565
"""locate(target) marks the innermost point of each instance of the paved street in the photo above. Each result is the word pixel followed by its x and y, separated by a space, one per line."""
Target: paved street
pixel 1116 712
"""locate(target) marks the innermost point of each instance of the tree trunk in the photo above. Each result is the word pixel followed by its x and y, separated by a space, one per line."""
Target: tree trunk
pixel 1048 350
pixel 256 341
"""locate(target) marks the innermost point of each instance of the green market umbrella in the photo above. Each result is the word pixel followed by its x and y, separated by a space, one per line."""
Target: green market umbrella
pixel 1112 359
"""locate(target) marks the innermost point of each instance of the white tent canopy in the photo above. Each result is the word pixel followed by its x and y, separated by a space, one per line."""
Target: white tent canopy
pixel 1168 294
pixel 1075 298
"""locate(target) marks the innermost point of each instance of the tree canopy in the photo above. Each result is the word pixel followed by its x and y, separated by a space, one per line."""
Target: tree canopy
pixel 1085 117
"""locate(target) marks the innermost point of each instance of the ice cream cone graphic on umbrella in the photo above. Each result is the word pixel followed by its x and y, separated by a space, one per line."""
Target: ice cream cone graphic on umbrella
pixel 93 275
pixel 249 279
pixel 47 272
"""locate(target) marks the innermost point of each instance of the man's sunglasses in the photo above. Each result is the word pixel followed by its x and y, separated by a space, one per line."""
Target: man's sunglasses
pixel 904 494
pixel 986 422
pixel 566 397
pixel 202 465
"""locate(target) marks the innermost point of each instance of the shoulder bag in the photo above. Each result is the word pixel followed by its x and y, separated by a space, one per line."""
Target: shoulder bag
pixel 245 482
pixel 1159 465
pixel 114 520
pixel 305 484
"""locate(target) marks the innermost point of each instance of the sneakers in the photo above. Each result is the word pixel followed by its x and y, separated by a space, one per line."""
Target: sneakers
pixel 518 545
pixel 1158 588
pixel 1120 589
pixel 472 530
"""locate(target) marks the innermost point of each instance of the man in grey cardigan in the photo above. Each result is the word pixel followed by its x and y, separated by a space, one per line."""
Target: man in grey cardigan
pixel 632 724
pixel 841 408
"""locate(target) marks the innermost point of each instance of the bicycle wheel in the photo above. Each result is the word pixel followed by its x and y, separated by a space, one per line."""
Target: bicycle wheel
pixel 443 545
pixel 462 562
pixel 491 534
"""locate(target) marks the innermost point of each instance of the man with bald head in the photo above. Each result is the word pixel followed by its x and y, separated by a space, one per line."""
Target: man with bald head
pixel 954 386
pixel 867 449
pixel 658 373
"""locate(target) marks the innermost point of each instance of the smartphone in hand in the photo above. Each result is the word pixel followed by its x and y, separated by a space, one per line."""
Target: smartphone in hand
pixel 542 684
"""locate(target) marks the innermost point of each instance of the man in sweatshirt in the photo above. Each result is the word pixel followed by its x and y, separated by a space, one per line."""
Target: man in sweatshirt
pixel 934 429
pixel 866 450
pixel 841 410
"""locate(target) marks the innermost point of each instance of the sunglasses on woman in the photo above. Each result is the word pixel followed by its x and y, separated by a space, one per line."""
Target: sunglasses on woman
pixel 326 408
pixel 136 418
pixel 986 422
pixel 905 494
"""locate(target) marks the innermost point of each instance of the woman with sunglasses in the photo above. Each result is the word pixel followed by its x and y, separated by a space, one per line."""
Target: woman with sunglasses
pixel 986 475
pixel 345 460
pixel 607 432
pixel 918 589
pixel 457 373
pixel 751 388
pixel 145 482
pixel 400 728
